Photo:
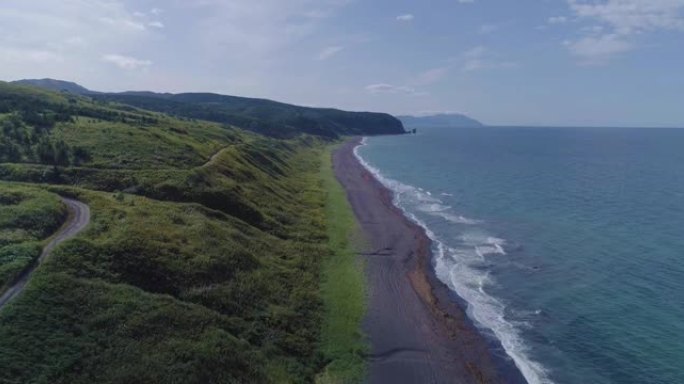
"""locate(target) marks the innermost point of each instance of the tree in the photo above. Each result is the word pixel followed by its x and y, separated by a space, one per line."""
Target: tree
pixel 45 151
pixel 13 153
pixel 81 155
pixel 61 154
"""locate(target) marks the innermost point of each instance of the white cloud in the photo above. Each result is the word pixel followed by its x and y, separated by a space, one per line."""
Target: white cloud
pixel 393 89
pixel 557 20
pixel 431 76
pixel 615 22
pixel 123 24
pixel 475 52
pixel 599 49
pixel 36 56
pixel 479 58
pixel 329 52
pixel 486 29
pixel 406 18
pixel 156 24
pixel 258 31
pixel 466 1
pixel 62 38
pixel 629 16
pixel 126 62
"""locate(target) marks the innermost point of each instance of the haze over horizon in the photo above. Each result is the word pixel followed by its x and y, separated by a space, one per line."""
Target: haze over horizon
pixel 544 62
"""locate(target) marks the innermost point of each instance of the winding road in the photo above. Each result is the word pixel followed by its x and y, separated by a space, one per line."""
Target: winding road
pixel 79 217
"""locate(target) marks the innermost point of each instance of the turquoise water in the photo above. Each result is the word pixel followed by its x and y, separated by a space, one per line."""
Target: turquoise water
pixel 566 244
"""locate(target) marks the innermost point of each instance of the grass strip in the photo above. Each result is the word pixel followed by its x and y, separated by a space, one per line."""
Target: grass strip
pixel 343 287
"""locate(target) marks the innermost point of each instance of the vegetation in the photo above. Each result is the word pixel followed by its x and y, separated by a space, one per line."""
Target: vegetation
pixel 203 262
pixel 62 129
pixel 263 116
pixel 343 288
pixel 27 216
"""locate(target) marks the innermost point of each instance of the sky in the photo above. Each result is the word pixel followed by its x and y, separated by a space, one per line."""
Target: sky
pixel 504 62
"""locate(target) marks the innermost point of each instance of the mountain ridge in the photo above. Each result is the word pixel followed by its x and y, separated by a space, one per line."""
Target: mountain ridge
pixel 454 120
pixel 264 116
pixel 55 85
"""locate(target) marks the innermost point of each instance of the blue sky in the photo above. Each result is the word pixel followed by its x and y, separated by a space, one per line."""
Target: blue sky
pixel 521 62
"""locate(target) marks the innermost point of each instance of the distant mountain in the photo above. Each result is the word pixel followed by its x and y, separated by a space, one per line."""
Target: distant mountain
pixel 439 120
pixel 55 85
pixel 263 116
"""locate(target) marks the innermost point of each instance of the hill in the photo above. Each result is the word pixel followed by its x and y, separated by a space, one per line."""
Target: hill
pixel 55 85
pixel 203 262
pixel 439 120
pixel 263 116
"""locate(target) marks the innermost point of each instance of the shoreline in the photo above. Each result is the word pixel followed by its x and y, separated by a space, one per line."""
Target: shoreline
pixel 417 330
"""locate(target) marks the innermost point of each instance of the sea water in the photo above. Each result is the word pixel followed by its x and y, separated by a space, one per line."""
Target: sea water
pixel 567 245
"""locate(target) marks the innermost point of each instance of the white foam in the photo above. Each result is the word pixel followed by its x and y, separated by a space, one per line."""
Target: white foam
pixel 433 208
pixel 458 268
pixel 458 219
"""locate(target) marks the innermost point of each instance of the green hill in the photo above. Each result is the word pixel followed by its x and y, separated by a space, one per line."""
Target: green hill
pixel 203 261
pixel 55 85
pixel 259 115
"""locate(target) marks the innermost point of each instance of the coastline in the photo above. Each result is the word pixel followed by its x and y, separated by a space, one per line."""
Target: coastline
pixel 417 330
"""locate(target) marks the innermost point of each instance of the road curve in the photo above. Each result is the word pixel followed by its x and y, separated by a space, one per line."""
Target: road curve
pixel 79 217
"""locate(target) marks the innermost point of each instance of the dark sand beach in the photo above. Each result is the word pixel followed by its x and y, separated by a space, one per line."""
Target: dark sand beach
pixel 418 333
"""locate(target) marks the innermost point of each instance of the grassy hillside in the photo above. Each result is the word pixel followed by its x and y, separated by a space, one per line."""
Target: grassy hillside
pixel 262 116
pixel 61 129
pixel 27 216
pixel 203 261
pixel 55 85
pixel 266 117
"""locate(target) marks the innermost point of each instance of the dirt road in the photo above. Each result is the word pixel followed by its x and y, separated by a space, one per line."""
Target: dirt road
pixel 79 217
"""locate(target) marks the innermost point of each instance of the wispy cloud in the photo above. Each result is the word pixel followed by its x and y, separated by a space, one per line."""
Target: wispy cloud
pixel 557 20
pixel 486 29
pixel 393 89
pixel 258 30
pixel 24 55
pixel 126 62
pixel 431 76
pixel 597 50
pixel 123 23
pixel 480 58
pixel 55 37
pixel 631 16
pixel 614 23
pixel 329 52
pixel 406 18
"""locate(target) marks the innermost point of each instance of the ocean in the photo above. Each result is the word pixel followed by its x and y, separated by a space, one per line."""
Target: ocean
pixel 566 245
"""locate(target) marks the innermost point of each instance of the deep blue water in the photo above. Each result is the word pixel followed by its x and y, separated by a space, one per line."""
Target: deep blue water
pixel 567 244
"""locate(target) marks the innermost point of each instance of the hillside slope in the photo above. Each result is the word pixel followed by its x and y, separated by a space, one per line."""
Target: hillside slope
pixel 259 115
pixel 55 85
pixel 202 263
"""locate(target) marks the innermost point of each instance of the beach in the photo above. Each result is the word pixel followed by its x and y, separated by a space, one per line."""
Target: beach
pixel 417 331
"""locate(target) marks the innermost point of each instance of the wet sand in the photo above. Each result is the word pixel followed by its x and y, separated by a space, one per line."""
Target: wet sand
pixel 417 331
